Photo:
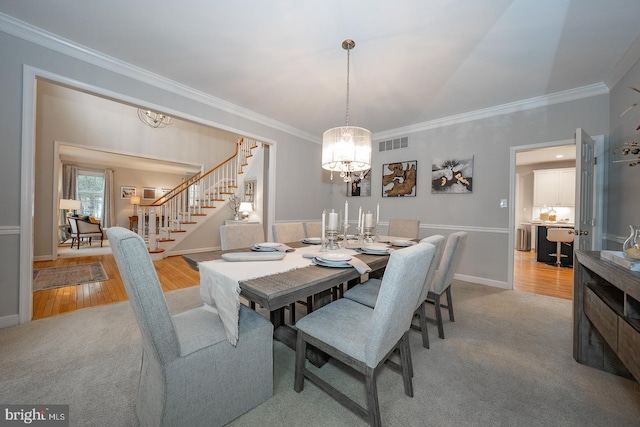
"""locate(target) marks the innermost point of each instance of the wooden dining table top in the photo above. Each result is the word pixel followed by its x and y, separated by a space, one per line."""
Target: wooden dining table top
pixel 279 290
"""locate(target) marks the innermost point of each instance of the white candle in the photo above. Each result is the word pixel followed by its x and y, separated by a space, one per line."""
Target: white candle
pixel 359 217
pixel 323 219
pixel 368 220
pixel 378 213
pixel 333 221
pixel 346 213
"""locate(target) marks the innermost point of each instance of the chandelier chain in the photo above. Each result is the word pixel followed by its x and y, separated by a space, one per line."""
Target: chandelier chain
pixel 346 117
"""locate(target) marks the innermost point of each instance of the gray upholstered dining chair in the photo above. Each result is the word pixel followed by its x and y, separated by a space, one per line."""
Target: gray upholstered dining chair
pixel 190 374
pixel 313 229
pixel 407 228
pixel 285 232
pixel 444 276
pixel 362 337
pixel 367 292
pixel 240 235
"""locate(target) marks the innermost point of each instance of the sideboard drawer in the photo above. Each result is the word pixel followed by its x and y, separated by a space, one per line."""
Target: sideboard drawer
pixel 603 318
pixel 628 344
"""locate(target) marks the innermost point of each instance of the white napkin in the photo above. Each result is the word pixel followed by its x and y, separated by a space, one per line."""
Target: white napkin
pixel 284 248
pixel 356 263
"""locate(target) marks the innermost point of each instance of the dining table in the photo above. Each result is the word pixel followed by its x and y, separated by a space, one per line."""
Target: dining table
pixel 274 292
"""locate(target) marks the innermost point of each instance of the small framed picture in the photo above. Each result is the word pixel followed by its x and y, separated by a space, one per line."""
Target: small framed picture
pixel 126 192
pixel 149 193
pixel 452 175
pixel 164 191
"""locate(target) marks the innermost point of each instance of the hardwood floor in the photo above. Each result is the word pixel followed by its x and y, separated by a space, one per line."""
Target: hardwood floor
pixel 540 278
pixel 173 272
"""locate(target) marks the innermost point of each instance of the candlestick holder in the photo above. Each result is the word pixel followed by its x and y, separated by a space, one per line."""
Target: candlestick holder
pixel 369 234
pixel 332 240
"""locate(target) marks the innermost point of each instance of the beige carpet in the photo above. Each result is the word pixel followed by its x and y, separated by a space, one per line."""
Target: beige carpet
pixel 66 251
pixel 507 361
pixel 47 278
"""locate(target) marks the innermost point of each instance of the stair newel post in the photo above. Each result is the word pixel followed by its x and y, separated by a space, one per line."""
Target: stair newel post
pixel 141 221
pixel 153 243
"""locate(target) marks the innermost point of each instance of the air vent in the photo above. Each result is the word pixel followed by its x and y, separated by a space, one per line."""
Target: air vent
pixel 393 144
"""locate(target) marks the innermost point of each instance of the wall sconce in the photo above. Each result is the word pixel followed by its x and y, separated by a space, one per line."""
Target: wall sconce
pixel 245 208
pixel 135 201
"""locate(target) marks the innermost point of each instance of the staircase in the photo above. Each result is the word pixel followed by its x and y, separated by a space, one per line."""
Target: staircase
pixel 174 215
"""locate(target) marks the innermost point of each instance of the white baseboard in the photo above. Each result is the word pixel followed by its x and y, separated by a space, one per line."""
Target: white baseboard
pixel 482 281
pixel 11 320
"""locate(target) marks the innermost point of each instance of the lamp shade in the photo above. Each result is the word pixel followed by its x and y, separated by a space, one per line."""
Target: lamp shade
pixel 245 207
pixel 346 149
pixel 134 200
pixel 70 204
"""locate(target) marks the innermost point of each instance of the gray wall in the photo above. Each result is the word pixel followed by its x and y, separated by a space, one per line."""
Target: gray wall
pixel 623 181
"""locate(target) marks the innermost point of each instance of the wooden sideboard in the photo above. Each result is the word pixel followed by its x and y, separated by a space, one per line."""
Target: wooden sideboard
pixel 606 315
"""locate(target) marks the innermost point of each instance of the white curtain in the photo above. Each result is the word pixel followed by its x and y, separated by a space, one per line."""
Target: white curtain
pixel 108 210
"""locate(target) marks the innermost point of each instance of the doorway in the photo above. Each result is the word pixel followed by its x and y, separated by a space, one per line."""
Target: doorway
pixel 530 274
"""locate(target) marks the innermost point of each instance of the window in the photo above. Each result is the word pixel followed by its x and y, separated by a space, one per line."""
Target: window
pixel 91 192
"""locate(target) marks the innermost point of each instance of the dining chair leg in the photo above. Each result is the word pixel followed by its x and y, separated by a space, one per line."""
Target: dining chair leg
pixel 301 351
pixel 292 313
pixel 423 325
pixel 450 303
pixel 436 303
pixel 372 397
pixel 407 366
pixel 252 305
pixel 309 304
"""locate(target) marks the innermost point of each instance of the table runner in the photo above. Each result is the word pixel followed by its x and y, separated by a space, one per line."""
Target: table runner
pixel 220 289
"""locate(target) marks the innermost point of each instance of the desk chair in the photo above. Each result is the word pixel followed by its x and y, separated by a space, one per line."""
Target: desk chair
pixel 560 236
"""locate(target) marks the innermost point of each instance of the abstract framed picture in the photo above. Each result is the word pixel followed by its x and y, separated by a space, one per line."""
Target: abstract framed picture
pixel 360 187
pixel 452 175
pixel 127 191
pixel 149 193
pixel 399 179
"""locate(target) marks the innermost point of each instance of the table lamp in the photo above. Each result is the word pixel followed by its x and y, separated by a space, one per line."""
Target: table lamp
pixel 245 208
pixel 135 201
pixel 70 205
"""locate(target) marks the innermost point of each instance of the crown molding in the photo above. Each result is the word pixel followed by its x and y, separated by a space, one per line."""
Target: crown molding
pixel 498 110
pixel 30 33
pixel 622 67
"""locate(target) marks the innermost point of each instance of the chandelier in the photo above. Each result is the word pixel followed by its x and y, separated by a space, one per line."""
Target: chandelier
pixel 346 149
pixel 153 119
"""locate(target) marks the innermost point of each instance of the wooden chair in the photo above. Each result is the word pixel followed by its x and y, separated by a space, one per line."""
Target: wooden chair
pixel 84 229
pixel 362 337
pixel 407 228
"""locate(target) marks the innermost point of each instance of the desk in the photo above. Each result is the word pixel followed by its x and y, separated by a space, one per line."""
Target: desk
pixel 277 291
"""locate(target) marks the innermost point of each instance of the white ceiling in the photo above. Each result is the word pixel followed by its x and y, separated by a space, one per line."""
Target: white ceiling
pixel 414 61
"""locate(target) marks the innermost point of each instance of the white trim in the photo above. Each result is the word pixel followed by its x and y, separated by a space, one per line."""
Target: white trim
pixel 6 321
pixel 467 228
pixel 29 84
pixel 614 238
pixel 15 27
pixel 498 110
pixel 482 281
pixel 11 229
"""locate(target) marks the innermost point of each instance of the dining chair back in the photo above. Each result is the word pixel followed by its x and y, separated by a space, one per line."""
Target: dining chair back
pixel 285 232
pixel 363 337
pixel 367 293
pixel 313 229
pixel 407 228
pixel 444 276
pixel 190 373
pixel 240 235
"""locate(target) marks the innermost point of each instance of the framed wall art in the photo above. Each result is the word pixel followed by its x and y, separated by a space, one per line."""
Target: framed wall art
pixel 452 175
pixel 399 179
pixel 360 187
pixel 149 193
pixel 127 191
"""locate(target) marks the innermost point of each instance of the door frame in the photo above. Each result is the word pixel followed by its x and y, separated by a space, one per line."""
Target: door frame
pixel 31 75
pixel 598 189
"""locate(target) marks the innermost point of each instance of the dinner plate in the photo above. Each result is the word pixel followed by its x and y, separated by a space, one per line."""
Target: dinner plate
pixel 369 251
pixel 402 243
pixel 312 240
pixel 268 245
pixel 262 248
pixel 334 257
pixel 339 264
